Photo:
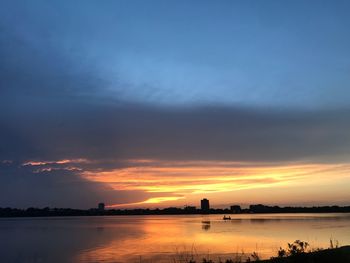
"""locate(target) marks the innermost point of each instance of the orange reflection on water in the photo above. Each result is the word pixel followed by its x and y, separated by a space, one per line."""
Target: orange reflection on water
pixel 160 238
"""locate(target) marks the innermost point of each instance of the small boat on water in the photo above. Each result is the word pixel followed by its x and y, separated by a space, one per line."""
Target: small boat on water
pixel 226 217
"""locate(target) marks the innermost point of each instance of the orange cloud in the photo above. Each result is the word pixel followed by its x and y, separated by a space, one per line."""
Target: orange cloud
pixel 175 180
pixel 153 200
pixel 167 182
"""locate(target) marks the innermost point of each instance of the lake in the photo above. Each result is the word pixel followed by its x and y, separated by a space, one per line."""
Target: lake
pixel 162 238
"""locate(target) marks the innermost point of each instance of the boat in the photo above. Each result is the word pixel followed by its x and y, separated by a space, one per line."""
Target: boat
pixel 226 218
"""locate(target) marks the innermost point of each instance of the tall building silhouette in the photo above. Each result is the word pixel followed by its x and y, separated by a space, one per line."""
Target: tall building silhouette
pixel 205 205
pixel 101 206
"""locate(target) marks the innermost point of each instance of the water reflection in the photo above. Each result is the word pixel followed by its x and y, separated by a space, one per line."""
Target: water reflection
pixel 158 238
pixel 206 225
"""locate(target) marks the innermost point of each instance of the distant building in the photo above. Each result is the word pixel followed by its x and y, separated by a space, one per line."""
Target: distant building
pixel 236 209
pixel 205 205
pixel 101 206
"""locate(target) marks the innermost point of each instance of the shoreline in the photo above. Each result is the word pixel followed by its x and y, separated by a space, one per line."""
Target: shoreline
pixel 254 209
pixel 298 255
pixel 194 214
pixel 168 214
pixel 334 255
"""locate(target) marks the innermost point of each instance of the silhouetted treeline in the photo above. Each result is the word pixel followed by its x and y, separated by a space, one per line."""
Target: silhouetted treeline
pixel 315 209
pixel 35 212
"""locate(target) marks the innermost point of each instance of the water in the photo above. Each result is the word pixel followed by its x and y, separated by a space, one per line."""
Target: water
pixel 162 238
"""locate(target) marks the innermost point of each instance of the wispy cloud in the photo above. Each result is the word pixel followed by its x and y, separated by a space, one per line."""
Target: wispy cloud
pixel 174 179
pixel 64 161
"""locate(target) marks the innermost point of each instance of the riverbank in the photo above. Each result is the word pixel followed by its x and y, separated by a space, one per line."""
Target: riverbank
pixel 295 252
pixel 188 210
pixel 334 255
pixel 329 255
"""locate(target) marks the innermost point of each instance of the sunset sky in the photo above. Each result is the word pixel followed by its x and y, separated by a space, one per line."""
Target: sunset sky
pixel 163 103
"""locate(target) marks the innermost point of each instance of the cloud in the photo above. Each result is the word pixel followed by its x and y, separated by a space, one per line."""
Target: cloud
pixel 22 186
pixel 50 127
pixel 183 179
pixel 150 182
pixel 121 131
pixel 55 105
pixel 60 119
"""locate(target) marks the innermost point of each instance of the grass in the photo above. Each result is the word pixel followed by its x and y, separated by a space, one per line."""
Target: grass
pixel 297 251
pixel 330 255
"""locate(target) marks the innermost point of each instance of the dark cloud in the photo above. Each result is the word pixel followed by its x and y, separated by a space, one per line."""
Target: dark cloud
pixel 50 110
pixel 21 187
pixel 54 105
pixel 78 130
pixel 108 134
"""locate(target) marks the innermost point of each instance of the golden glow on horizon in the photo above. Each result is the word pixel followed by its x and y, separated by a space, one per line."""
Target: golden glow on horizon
pixel 166 183
pixel 153 200
pixel 177 180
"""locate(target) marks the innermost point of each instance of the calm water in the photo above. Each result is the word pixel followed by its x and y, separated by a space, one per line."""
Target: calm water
pixel 160 238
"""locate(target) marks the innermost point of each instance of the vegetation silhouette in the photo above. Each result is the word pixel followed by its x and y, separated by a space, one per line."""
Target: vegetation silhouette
pixel 253 209
pixel 295 252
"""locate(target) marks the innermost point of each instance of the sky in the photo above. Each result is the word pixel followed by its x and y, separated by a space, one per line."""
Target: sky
pixel 163 103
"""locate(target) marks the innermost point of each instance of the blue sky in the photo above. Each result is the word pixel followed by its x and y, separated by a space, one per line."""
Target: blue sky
pixel 232 53
pixel 95 94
